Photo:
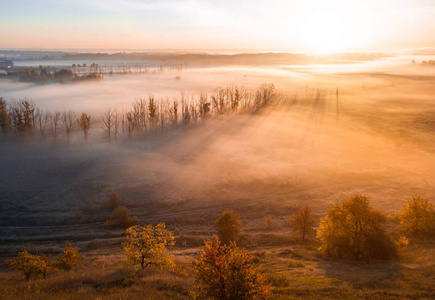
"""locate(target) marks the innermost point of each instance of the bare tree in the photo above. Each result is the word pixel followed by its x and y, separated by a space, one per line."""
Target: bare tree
pixel 204 106
pixel 152 112
pixel 68 118
pixel 107 118
pixel 117 119
pixel 173 113
pixel 42 120
pixel 125 125
pixel 55 122
pixel 137 118
pixel 85 124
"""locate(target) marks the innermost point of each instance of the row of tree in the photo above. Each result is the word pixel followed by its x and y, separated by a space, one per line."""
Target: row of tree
pixel 47 74
pixel 24 118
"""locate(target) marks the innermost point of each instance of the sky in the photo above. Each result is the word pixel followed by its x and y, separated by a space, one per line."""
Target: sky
pixel 266 25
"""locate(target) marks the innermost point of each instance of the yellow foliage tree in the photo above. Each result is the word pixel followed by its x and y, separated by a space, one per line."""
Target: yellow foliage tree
pixel 146 245
pixel 303 221
pixel 30 264
pixel 229 227
pixel 85 124
pixel 417 218
pixel 228 272
pixel 69 258
pixel 354 230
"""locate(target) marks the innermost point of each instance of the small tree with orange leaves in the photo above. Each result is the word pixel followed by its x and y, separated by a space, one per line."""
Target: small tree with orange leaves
pixel 303 221
pixel 69 258
pixel 228 272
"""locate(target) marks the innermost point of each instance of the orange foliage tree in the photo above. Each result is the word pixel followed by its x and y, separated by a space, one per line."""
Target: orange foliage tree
pixel 303 221
pixel 228 272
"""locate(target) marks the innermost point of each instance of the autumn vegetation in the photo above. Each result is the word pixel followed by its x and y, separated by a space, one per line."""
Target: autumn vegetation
pixel 229 227
pixel 417 219
pixel 147 246
pixel 354 230
pixel 228 272
pixel 351 231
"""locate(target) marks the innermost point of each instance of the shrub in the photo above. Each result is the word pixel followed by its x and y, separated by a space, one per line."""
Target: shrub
pixel 69 258
pixel 31 264
pixel 229 227
pixel 417 218
pixel 146 245
pixel 227 272
pixel 122 218
pixel 303 221
pixel 268 221
pixel 354 230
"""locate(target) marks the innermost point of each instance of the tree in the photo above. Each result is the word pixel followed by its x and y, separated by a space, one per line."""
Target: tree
pixel 354 230
pixel 85 124
pixel 147 245
pixel 122 218
pixel 42 120
pixel 110 120
pixel 5 119
pixel 69 258
pixel 303 221
pixel 30 264
pixel 22 115
pixel 68 118
pixel 417 218
pixel 265 96
pixel 228 272
pixel 152 112
pixel 55 122
pixel 229 227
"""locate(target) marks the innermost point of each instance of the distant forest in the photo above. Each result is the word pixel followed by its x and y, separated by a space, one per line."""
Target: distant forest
pixel 270 58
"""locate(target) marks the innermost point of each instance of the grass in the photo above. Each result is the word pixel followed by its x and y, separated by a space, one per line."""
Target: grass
pixel 295 271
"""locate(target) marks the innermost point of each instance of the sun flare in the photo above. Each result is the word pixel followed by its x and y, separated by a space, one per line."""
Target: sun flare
pixel 323 33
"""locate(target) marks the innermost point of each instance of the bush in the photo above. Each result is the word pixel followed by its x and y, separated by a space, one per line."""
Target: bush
pixel 69 258
pixel 147 245
pixel 417 218
pixel 229 227
pixel 122 218
pixel 31 264
pixel 227 272
pixel 303 221
pixel 354 230
pixel 268 221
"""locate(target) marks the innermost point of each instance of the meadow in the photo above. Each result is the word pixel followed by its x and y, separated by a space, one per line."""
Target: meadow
pixel 332 131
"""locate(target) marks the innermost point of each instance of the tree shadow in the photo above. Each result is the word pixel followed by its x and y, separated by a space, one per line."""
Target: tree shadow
pixel 375 275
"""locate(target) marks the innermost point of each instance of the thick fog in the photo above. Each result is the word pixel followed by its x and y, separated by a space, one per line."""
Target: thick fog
pixel 379 142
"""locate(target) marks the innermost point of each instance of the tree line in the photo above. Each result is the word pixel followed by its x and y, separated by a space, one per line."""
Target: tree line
pixel 146 115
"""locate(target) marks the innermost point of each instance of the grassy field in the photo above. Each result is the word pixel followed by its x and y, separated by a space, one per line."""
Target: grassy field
pixel 295 271
pixel 378 142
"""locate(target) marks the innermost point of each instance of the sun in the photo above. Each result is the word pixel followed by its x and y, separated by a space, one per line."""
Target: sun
pixel 324 32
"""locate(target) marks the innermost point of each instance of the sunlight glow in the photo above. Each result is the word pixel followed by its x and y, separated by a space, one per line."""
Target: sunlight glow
pixel 324 33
